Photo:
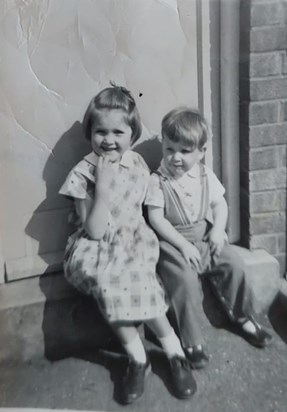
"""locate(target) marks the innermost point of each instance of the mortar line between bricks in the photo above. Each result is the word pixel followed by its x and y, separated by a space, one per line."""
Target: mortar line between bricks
pixel 261 148
pixel 272 168
pixel 270 27
pixel 268 52
pixel 264 51
pixel 266 214
pixel 259 192
pixel 251 78
pixel 275 100
pixel 273 234
pixel 258 126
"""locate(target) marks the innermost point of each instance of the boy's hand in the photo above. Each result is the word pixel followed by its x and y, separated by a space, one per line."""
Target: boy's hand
pixel 106 171
pixel 191 254
pixel 216 239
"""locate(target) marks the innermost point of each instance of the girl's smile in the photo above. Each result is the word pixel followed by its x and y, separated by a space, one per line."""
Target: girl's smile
pixel 111 135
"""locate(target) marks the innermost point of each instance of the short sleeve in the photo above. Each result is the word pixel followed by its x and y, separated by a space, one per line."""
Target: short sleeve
pixel 140 162
pixel 75 185
pixel 216 190
pixel 154 196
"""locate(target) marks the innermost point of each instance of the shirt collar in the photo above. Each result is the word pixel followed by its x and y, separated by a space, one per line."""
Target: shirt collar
pixel 126 160
pixel 194 171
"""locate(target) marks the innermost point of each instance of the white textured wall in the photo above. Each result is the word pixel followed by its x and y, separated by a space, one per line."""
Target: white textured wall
pixel 54 56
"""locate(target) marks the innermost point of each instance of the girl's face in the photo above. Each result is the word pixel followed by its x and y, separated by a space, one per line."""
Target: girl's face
pixel 179 158
pixel 111 135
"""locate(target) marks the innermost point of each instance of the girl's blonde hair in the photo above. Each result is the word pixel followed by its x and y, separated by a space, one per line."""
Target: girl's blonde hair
pixel 185 125
pixel 113 98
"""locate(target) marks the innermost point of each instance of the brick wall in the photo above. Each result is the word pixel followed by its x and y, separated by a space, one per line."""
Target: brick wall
pixel 263 125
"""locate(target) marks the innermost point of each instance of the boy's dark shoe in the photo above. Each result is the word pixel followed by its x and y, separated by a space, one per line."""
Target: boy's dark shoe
pixel 196 357
pixel 260 338
pixel 133 381
pixel 184 385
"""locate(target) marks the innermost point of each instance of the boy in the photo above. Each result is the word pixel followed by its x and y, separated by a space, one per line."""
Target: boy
pixel 187 209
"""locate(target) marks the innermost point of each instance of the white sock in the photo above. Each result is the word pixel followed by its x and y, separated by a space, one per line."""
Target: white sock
pixel 135 349
pixel 249 327
pixel 199 347
pixel 171 345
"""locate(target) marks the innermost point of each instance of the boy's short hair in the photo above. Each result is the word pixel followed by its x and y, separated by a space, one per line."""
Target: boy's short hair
pixel 113 98
pixel 185 125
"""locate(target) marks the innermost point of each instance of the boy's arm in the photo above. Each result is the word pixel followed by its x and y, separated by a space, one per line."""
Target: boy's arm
pixel 168 233
pixel 216 235
pixel 220 214
pixel 163 227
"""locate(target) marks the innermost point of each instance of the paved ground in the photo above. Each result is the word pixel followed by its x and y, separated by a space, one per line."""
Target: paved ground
pixel 239 378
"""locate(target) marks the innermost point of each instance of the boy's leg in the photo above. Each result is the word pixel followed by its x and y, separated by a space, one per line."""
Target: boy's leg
pixel 230 284
pixel 183 287
pixel 228 280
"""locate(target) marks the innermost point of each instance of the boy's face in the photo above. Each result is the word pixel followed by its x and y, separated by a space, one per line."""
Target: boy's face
pixel 179 158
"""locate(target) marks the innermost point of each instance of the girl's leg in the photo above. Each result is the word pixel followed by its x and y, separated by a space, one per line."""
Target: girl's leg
pixel 131 341
pixel 133 381
pixel 181 374
pixel 166 335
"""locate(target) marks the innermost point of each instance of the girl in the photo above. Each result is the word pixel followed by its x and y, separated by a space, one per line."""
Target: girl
pixel 113 253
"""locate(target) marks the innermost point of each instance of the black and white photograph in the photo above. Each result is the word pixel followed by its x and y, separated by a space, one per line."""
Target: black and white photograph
pixel 143 151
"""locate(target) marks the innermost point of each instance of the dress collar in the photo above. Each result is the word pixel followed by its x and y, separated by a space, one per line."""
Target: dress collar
pixel 126 160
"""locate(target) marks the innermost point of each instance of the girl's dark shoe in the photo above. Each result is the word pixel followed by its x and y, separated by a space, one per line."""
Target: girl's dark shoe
pixel 260 338
pixel 133 381
pixel 183 382
pixel 197 357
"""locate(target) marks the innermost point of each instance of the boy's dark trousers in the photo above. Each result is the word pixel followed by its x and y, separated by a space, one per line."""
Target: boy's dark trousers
pixel 183 286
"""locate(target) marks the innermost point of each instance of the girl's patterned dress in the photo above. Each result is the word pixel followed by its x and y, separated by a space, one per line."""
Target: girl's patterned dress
pixel 118 270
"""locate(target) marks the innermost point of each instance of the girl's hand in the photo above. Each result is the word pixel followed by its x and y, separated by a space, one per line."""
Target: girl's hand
pixel 105 173
pixel 191 254
pixel 216 239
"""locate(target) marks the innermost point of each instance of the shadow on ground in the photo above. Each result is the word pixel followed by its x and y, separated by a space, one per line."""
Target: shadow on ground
pixel 278 318
pixel 72 326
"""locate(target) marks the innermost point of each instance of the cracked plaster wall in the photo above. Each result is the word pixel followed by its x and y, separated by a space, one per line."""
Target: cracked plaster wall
pixel 54 56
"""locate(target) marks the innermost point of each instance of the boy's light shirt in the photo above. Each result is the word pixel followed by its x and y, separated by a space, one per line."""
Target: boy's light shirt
pixel 188 188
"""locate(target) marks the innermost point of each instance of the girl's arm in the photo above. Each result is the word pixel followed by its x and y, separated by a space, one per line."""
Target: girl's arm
pixel 168 233
pixel 94 213
pixel 94 216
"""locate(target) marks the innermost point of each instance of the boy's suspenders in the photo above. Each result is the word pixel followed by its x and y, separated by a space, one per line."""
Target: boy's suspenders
pixel 172 196
pixel 204 201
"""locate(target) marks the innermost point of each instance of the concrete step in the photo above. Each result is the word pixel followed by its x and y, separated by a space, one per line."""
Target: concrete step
pixel 263 274
pixel 43 317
